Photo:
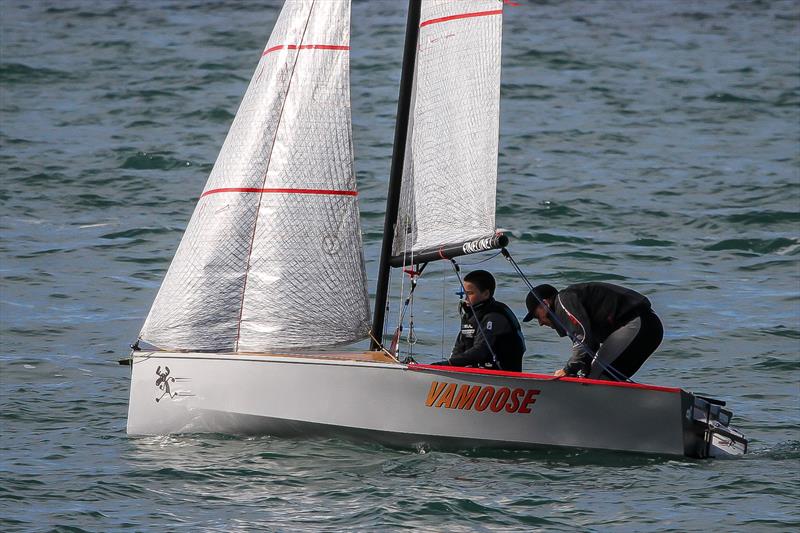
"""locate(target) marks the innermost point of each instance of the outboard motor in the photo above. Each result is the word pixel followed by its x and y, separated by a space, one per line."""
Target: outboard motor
pixel 708 421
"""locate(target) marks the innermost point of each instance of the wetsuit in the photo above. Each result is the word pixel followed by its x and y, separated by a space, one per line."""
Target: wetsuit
pixel 502 332
pixel 616 323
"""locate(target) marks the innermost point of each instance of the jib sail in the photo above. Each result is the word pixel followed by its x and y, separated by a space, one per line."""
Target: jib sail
pixel 272 257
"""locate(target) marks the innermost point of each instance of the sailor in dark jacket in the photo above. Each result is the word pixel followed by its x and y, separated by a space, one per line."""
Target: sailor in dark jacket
pixel 490 336
pixel 616 323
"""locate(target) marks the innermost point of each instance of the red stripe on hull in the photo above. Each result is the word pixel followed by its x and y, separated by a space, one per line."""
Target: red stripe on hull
pixel 461 16
pixel 544 377
pixel 281 191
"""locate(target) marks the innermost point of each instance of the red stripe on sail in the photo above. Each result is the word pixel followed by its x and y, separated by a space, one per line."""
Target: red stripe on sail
pixel 461 16
pixel 305 47
pixel 281 191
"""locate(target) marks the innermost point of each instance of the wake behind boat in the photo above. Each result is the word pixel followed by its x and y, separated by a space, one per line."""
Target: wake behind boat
pixel 271 266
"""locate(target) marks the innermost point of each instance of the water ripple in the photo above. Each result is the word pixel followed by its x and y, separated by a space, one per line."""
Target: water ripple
pixel 654 145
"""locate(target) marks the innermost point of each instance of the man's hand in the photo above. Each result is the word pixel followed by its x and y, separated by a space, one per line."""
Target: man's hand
pixel 559 373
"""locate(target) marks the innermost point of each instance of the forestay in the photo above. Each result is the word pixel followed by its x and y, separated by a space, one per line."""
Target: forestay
pixel 450 168
pixel 272 257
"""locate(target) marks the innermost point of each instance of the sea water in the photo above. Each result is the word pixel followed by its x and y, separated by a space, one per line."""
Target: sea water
pixel 652 144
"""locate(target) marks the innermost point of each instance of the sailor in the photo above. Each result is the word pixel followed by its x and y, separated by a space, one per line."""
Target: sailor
pixel 490 335
pixel 616 323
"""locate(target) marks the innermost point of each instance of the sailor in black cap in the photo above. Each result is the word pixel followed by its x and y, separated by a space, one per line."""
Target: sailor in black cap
pixel 616 323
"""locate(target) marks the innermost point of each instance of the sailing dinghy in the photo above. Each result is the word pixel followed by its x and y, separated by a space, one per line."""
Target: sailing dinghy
pixel 269 279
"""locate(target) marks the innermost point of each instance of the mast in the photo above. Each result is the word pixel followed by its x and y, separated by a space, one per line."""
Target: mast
pixel 396 172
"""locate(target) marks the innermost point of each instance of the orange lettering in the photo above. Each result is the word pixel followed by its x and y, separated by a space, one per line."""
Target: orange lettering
pixel 466 396
pixel 484 398
pixel 446 398
pixel 513 405
pixel 500 398
pixel 529 399
pixel 453 396
pixel 436 390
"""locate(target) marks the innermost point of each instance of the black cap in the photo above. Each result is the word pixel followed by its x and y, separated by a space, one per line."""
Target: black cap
pixel 543 292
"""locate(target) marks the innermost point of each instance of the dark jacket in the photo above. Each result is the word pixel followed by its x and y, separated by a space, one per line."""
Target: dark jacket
pixel 502 332
pixel 592 312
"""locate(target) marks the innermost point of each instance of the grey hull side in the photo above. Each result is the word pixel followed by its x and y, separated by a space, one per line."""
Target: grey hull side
pixel 413 405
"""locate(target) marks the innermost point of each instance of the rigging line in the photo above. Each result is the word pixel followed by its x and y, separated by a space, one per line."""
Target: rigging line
pixel 383 349
pixel 444 286
pixel 389 300
pixel 406 230
pixel 613 372
pixel 411 339
pixel 400 308
pixel 573 337
pixel 482 260
pixel 408 301
pixel 410 336
pixel 264 181
pixel 401 131
pixel 475 316
pixel 386 309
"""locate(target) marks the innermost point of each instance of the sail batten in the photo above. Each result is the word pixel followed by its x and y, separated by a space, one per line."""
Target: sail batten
pixel 272 257
pixel 450 169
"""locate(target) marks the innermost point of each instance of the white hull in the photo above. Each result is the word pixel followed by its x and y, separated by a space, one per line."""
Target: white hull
pixel 369 397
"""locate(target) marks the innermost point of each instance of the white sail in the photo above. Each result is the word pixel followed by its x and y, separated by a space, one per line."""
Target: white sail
pixel 450 167
pixel 272 257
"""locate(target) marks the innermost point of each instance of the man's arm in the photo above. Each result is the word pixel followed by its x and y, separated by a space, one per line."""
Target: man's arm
pixel 492 325
pixel 581 329
pixel 460 345
pixel 579 362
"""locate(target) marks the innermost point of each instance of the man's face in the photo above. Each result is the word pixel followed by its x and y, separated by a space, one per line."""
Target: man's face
pixel 473 294
pixel 542 316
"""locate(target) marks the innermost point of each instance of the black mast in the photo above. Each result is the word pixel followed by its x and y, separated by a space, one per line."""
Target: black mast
pixel 396 173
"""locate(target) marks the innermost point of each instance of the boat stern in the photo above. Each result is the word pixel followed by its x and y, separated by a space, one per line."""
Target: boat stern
pixel 707 430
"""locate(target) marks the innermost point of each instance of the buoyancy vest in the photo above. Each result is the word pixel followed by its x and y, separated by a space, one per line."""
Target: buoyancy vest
pixel 508 347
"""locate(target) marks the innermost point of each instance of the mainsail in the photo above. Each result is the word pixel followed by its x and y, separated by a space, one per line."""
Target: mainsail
pixel 272 257
pixel 450 167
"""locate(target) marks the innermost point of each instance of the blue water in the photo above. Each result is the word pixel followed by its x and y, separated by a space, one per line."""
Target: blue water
pixel 652 144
